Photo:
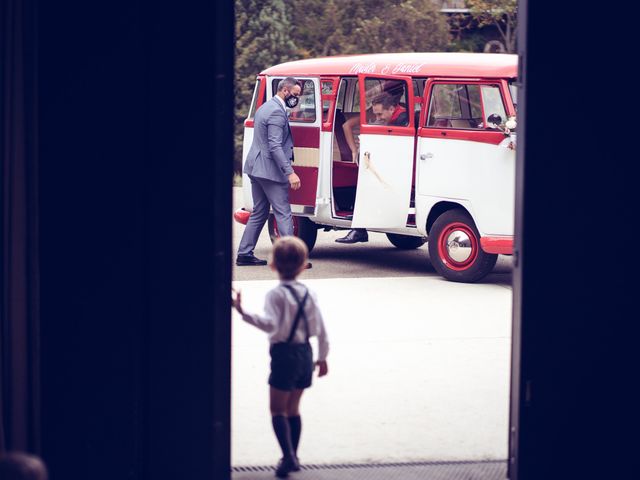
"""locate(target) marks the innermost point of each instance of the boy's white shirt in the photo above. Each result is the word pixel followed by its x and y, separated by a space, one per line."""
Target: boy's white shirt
pixel 280 310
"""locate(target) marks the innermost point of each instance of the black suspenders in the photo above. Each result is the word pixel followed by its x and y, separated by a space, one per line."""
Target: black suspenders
pixel 299 314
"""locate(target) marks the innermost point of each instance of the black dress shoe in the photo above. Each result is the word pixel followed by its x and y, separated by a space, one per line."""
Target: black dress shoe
pixel 242 260
pixel 286 465
pixel 354 236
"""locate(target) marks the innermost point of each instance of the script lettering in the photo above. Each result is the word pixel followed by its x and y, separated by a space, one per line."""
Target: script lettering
pixel 407 68
pixel 363 68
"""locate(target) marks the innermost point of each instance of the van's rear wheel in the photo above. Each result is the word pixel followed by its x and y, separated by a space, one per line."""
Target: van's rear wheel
pixel 454 248
pixel 405 242
pixel 303 228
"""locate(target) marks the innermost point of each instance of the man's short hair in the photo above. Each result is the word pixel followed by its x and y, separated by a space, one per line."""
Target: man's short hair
pixel 22 466
pixel 384 99
pixel 288 256
pixel 288 82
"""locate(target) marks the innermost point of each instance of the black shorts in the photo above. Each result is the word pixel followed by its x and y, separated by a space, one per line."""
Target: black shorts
pixel 291 366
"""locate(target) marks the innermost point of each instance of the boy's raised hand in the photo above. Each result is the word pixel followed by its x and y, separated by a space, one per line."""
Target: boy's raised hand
pixel 237 300
pixel 323 368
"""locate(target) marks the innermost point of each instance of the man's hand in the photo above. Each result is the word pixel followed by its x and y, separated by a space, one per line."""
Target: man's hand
pixel 323 368
pixel 294 181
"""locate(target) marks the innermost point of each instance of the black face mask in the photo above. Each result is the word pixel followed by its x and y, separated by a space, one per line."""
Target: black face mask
pixel 291 101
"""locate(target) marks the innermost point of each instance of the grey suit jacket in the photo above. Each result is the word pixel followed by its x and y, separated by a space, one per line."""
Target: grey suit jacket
pixel 271 152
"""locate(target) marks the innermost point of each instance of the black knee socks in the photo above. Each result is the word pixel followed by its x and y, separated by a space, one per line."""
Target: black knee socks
pixel 295 426
pixel 283 434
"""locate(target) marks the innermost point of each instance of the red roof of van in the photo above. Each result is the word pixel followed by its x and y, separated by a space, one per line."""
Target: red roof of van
pixel 482 65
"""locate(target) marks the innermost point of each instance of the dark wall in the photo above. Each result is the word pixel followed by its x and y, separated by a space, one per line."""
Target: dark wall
pixel 135 153
pixel 575 286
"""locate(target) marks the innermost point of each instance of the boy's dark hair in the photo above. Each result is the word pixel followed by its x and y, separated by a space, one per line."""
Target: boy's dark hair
pixel 289 255
pixel 384 99
pixel 22 466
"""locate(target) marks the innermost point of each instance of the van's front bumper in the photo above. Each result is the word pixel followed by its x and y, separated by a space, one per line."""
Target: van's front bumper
pixel 241 216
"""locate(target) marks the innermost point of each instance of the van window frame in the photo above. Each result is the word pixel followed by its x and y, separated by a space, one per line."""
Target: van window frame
pixel 404 130
pixel 432 82
pixel 332 98
pixel 317 121
pixel 259 97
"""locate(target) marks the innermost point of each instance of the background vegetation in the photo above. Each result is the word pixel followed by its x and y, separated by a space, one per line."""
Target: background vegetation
pixel 269 32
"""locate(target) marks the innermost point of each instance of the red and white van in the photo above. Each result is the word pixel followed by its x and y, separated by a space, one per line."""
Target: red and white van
pixel 447 176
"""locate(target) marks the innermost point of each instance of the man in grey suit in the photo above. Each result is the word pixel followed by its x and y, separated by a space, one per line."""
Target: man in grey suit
pixel 268 166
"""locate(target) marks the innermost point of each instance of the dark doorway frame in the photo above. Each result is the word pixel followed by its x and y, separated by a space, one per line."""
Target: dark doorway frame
pixel 117 147
pixel 571 358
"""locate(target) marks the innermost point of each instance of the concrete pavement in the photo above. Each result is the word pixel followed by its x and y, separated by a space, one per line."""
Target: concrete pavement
pixel 376 258
pixel 418 370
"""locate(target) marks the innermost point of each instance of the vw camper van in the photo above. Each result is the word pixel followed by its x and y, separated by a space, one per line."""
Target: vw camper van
pixel 445 175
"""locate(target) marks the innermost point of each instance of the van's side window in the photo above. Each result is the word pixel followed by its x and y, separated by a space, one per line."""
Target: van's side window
pixel 305 111
pixel 346 109
pixel 342 91
pixel 356 98
pixel 326 89
pixel 513 89
pixel 471 106
pixel 254 102
pixel 418 89
pixel 386 102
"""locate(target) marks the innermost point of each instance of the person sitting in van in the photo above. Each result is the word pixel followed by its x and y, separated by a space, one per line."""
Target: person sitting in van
pixel 387 111
pixel 351 123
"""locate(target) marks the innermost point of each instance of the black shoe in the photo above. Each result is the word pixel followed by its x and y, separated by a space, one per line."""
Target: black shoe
pixel 286 465
pixel 354 236
pixel 308 265
pixel 242 260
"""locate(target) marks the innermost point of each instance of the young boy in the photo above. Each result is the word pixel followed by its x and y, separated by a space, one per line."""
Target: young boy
pixel 291 316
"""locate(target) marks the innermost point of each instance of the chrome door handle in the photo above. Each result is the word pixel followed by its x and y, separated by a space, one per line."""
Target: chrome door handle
pixel 424 156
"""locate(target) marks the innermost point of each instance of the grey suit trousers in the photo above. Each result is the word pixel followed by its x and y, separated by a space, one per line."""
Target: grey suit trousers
pixel 266 194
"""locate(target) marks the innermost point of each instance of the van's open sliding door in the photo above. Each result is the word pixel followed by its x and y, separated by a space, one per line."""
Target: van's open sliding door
pixel 386 153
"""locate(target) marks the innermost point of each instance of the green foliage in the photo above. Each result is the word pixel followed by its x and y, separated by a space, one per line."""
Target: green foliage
pixel 263 38
pixel 269 32
pixel 410 26
pixel 335 27
pixel 502 14
pixel 472 42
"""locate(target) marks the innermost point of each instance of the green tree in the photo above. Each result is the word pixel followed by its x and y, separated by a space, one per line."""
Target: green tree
pixel 334 27
pixel 263 38
pixel 269 32
pixel 401 26
pixel 502 14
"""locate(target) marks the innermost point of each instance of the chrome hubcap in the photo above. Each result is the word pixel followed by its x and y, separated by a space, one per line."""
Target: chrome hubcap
pixel 459 247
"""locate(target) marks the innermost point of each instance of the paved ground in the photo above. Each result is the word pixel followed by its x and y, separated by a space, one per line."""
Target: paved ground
pixel 376 258
pixel 419 367
pixel 394 471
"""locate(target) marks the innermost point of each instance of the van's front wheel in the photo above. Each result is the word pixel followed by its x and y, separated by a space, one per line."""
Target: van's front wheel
pixel 454 248
pixel 405 242
pixel 303 228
